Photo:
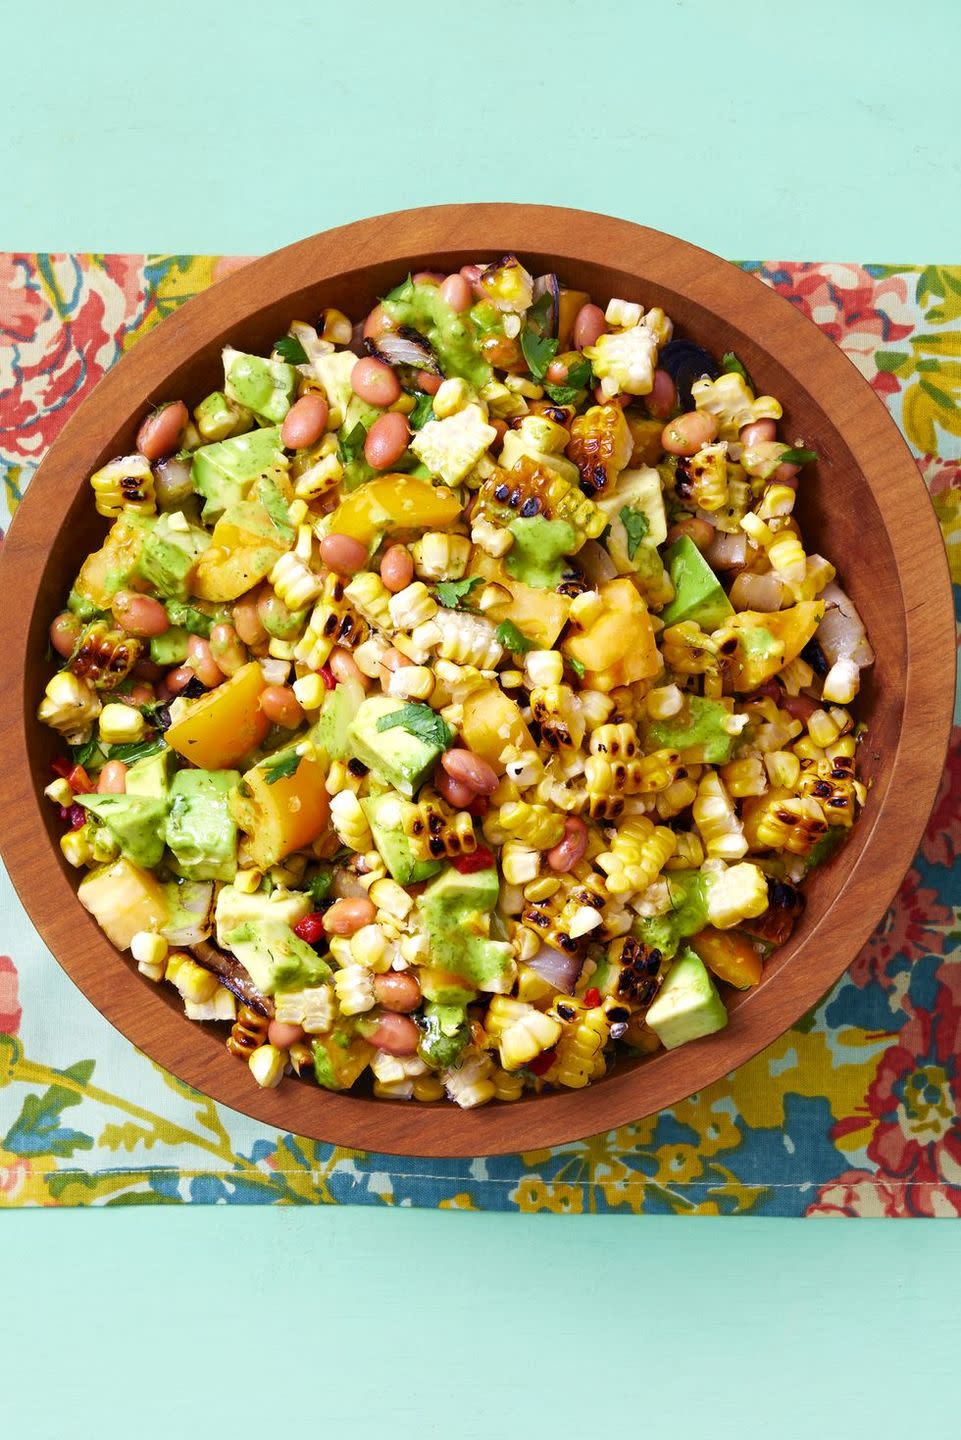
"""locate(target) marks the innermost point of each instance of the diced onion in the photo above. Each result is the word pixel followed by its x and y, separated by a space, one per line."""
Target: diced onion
pixel 195 920
pixel 757 592
pixel 842 634
pixel 726 552
pixel 557 969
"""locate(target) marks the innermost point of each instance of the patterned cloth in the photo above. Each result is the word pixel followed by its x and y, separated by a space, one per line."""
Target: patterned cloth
pixel 856 1111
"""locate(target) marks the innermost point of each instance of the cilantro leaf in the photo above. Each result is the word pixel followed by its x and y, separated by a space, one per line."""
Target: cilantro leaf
pixel 350 446
pixel 289 348
pixel 450 593
pixel 420 721
pixel 576 666
pixel 422 412
pixel 731 365
pixel 512 639
pixel 281 767
pixel 636 524
pixel 136 749
pixel 579 377
pixel 540 312
pixel 320 886
pixel 798 456
pixel 83 754
pixel 539 351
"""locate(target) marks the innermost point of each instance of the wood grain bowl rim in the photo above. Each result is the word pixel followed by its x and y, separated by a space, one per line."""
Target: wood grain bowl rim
pixel 885 840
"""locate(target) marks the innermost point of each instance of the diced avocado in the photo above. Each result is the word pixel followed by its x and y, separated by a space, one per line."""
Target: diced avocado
pixel 330 731
pixel 399 758
pixel 446 1032
pixel 201 831
pixel 194 620
pixel 276 958
pixel 170 648
pixel 639 491
pixel 536 557
pixel 688 1005
pixel 444 988
pixel 385 820
pixel 235 908
pixel 223 473
pixel 135 822
pixel 268 492
pixel 456 911
pixel 83 608
pixel 217 417
pixel 701 723
pixel 453 337
pixel 688 913
pixel 698 594
pixel 150 776
pixel 334 370
pixel 266 387
pixel 340 1058
pixel 170 554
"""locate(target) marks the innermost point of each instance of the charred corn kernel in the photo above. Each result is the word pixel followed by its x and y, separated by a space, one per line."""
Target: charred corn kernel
pixel 370 597
pixel 533 825
pixel 192 981
pixel 822 729
pixel 520 863
pixel 435 830
pixel 527 1037
pixel 438 556
pixel 714 816
pixel 120 724
pixel 638 853
pixel 104 655
pixel 736 894
pixel 537 489
pixel 332 622
pixel 427 1089
pixel 845 747
pixel 267 1066
pixel 524 767
pixel 354 985
pixel 411 682
pixel 349 821
pixel 149 949
pixel 776 501
pixel 414 605
pixel 469 1084
pixel 783 769
pixel 294 584
pixel 59 792
pixel 524 943
pixel 76 849
pixel 617 742
pixel 468 639
pixel 551 919
pixel 580 1047
pixel 641 776
pixel 124 484
pixel 368 657
pixel 494 540
pixel 687 649
pixel 340 778
pixel 556 709
pixel 368 946
pixel 831 783
pixel 452 396
pixel 583 920
pixel 387 895
pixel 730 399
pixel 706 477
pixel 663 702
pixel 70 706
pixel 507 1086
pixel 624 360
pixel 310 691
pixel 544 667
pixel 688 853
pixel 745 777
pixel 787 822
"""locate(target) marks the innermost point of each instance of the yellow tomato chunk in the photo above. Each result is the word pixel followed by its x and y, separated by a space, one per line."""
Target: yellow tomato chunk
pixel 219 729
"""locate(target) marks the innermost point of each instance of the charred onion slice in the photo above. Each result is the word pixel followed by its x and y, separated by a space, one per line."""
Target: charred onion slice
pixel 232 976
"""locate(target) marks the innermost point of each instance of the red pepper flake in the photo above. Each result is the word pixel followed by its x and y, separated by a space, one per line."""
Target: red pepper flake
pixel 482 859
pixel 592 997
pixel 79 781
pixel 78 817
pixel 311 928
pixel 328 677
pixel 542 1063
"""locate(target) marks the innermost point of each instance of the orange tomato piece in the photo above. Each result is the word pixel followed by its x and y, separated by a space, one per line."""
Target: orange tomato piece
pixel 731 957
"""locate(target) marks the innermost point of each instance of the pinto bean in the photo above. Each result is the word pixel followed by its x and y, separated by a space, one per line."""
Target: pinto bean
pixel 589 326
pixel 375 382
pixel 688 432
pixel 346 917
pixel 305 421
pixel 398 990
pixel 471 770
pixel 397 568
pixel 139 614
pixel 343 553
pixel 64 633
pixel 160 433
pixel 386 440
pixel 566 853
pixel 397 1034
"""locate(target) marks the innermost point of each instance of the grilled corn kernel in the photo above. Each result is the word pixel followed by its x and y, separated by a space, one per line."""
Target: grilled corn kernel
pixel 783 769
pixel 822 729
pixel 519 863
pixel 663 702
pixel 452 396
pixel 149 949
pixel 70 705
pixel 388 895
pixel 737 893
pixel 354 985
pixel 124 484
pixel 368 946
pixel 267 1066
pixel 411 682
pixel 714 816
pixel 59 792
pixel 120 723
pixel 190 979
pixel 350 822
pixel 412 606
pixel 494 540
pixel 310 691
pixel 438 556
pixel 76 849
pixel 544 667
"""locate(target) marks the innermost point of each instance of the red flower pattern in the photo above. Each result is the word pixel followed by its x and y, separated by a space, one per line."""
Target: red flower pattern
pixel 10 1012
pixel 913 927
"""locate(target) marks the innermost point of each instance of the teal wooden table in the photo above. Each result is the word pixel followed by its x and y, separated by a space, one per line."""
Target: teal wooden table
pixel 215 127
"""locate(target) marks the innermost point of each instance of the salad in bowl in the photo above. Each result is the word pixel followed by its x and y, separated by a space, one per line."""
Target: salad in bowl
pixel 454 705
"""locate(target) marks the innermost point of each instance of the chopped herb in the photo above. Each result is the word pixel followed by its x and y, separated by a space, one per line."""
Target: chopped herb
pixel 579 378
pixel 576 666
pixel 540 312
pixel 512 639
pixel 731 365
pixel 450 593
pixel 289 348
pixel 350 446
pixel 539 351
pixel 636 524
pixel 798 456
pixel 422 412
pixel 282 767
pixel 136 750
pixel 404 291
pixel 420 721
pixel 83 754
pixel 320 886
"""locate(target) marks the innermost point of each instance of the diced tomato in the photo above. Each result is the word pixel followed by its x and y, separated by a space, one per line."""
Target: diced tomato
pixel 482 859
pixel 311 928
pixel 79 781
pixel 542 1063
pixel 592 997
pixel 62 766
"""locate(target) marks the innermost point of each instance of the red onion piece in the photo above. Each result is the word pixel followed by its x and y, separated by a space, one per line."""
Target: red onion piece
pixel 557 969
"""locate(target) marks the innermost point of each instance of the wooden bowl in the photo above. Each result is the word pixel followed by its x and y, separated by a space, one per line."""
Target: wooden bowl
pixel 864 506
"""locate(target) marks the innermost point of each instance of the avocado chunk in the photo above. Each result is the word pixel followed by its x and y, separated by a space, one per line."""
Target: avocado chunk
pixel 536 557
pixel 688 1005
pixel 224 472
pixel 698 594
pixel 446 1032
pixel 201 831
pixel 688 913
pixel 638 491
pixel 456 910
pixel 264 386
pixel 236 908
pixel 443 988
pixel 275 958
pixel 453 337
pixel 386 823
pixel 699 723
pixel 397 757
pixel 340 1058
pixel 170 648
pixel 330 731
pixel 169 555
pixel 150 776
pixel 134 822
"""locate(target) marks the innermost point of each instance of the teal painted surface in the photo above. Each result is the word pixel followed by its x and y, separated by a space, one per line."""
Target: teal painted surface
pixel 816 131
